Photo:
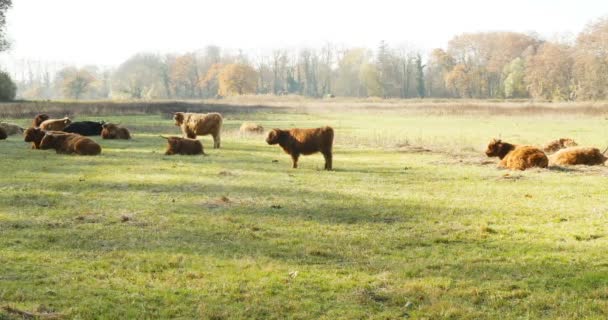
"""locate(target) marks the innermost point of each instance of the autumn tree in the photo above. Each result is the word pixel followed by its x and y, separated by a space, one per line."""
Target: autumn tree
pixel 184 75
pixel 549 72
pixel 591 61
pixel 237 79
pixel 210 83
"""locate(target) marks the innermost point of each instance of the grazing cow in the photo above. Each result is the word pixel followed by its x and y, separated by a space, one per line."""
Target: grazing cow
pixel 578 155
pixel 84 128
pixel 185 146
pixel 516 157
pixel 112 131
pixel 3 134
pixel 70 143
pixel 55 124
pixel 35 135
pixel 296 142
pixel 39 119
pixel 249 127
pixel 193 124
pixel 559 144
pixel 11 129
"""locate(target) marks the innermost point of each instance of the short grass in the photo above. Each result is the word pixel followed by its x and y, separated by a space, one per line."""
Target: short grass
pixel 414 222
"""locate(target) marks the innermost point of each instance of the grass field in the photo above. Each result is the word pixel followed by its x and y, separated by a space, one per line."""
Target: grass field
pixel 414 222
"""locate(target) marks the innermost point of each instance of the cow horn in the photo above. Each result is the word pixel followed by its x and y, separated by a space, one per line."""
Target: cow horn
pixel 164 137
pixel 605 150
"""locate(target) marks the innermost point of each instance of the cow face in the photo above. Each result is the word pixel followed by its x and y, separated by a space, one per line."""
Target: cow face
pixel 274 136
pixel 32 135
pixel 179 118
pixel 495 148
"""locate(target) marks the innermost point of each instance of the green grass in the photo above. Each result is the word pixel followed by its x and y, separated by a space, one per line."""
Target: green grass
pixel 391 233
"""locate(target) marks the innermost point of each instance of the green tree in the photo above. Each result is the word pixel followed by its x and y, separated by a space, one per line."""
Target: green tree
pixel 8 89
pixel 420 77
pixel 514 74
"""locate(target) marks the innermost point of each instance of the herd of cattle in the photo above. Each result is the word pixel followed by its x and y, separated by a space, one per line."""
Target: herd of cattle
pixel 69 137
pixel 65 136
pixel 561 152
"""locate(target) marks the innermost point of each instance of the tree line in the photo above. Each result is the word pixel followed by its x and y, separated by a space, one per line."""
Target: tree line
pixel 484 65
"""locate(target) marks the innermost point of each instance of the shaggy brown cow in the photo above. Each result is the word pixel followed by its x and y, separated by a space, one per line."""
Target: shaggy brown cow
pixel 249 127
pixel 559 144
pixel 193 124
pixel 3 134
pixel 70 143
pixel 112 131
pixel 578 155
pixel 35 135
pixel 11 129
pixel 186 146
pixel 516 157
pixel 55 124
pixel 39 119
pixel 296 142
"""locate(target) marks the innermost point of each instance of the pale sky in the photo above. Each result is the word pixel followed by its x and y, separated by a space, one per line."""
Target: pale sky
pixel 106 32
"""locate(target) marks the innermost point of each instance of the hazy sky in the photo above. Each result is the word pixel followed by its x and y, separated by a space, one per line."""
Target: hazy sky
pixel 106 32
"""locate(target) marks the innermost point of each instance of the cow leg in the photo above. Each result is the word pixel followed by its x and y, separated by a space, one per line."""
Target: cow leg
pixel 294 160
pixel 328 159
pixel 216 141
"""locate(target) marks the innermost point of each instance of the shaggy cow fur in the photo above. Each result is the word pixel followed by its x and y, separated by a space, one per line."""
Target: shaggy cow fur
pixel 578 155
pixel 112 131
pixel 39 119
pixel 11 129
pixel 516 157
pixel 185 146
pixel 55 124
pixel 559 144
pixel 70 143
pixel 193 124
pixel 3 134
pixel 35 135
pixel 84 128
pixel 249 127
pixel 296 142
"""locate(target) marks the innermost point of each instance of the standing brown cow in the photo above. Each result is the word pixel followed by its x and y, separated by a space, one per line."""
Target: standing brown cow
pixel 296 142
pixel 201 124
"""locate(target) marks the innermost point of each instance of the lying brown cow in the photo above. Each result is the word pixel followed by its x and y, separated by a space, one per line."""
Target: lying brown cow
pixel 35 135
pixel 39 119
pixel 516 157
pixel 185 146
pixel 70 143
pixel 193 124
pixel 112 131
pixel 296 142
pixel 55 124
pixel 578 155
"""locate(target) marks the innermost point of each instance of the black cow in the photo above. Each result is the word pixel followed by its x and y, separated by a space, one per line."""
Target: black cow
pixel 85 128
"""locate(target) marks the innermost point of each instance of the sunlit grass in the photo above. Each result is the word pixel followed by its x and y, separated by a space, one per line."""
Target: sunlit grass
pixel 390 233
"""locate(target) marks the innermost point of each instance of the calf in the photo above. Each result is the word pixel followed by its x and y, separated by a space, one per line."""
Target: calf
pixel 112 131
pixel 55 124
pixel 85 128
pixel 296 142
pixel 70 143
pixel 516 157
pixel 185 146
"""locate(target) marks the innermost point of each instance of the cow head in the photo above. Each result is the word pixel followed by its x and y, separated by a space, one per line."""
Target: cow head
pixel 275 136
pixel 498 148
pixel 179 118
pixel 33 135
pixel 40 118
